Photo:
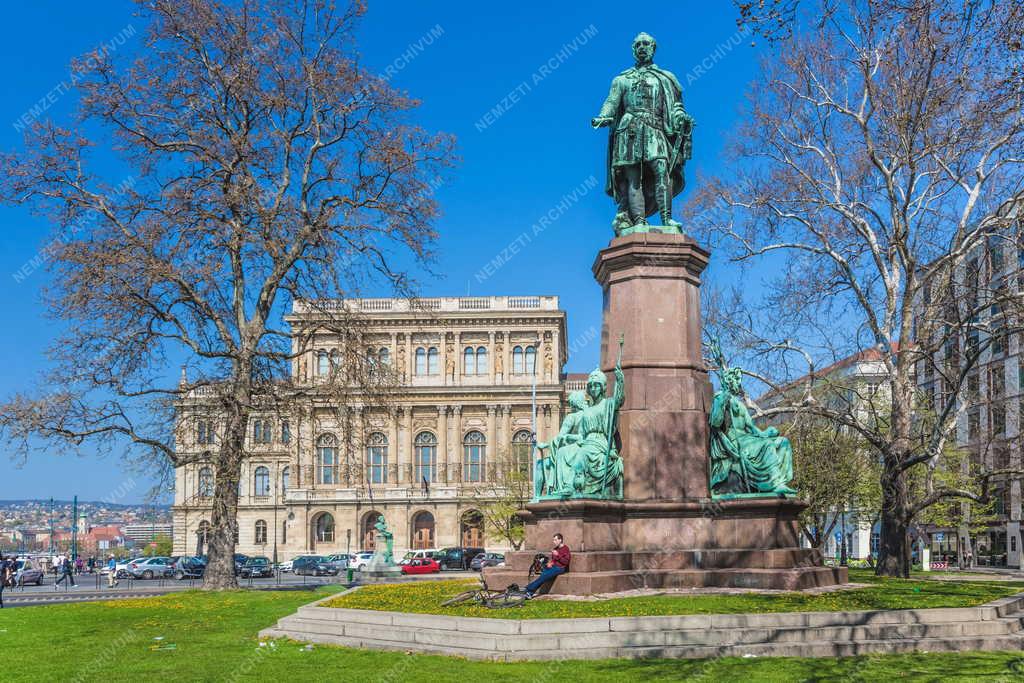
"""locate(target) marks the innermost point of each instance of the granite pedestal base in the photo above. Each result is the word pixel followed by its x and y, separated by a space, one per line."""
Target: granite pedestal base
pixel 620 546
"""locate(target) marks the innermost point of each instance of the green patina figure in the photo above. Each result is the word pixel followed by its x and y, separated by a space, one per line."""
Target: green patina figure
pixel 650 141
pixel 745 460
pixel 584 461
pixel 384 542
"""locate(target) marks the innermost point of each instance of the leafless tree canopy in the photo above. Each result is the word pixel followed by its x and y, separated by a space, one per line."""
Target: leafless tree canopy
pixel 880 156
pixel 254 162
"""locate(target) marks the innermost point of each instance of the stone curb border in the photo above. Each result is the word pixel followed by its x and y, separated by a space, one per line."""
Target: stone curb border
pixel 994 625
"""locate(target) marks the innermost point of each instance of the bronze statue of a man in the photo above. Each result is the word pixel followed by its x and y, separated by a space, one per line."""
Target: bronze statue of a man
pixel 650 141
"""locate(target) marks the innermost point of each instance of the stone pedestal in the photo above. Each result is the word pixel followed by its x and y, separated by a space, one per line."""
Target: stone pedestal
pixel 377 571
pixel 667 531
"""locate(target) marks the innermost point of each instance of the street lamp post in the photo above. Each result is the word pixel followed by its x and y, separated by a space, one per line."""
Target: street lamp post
pixel 275 520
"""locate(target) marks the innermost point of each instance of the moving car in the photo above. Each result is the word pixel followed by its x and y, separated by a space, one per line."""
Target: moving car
pixel 423 565
pixel 151 568
pixel 256 568
pixel 457 558
pixel 486 560
pixel 121 569
pixel 26 571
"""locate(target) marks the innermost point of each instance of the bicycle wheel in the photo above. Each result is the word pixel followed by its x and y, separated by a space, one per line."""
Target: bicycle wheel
pixel 506 600
pixel 462 597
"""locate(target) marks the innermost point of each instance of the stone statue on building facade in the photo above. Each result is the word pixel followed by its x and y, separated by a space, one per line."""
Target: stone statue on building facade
pixel 649 142
pixel 745 460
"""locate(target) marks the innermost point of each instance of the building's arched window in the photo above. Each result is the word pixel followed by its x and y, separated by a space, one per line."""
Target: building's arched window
pixel 205 432
pixel 469 361
pixel 522 451
pixel 531 360
pixel 377 458
pixel 286 431
pixel 261 481
pixel 323 367
pixel 481 360
pixel 286 475
pixel 384 357
pixel 433 361
pixel 474 450
pixel 327 459
pixel 472 527
pixel 425 457
pixel 421 361
pixel 371 362
pixel 517 360
pixel 205 488
pixel 335 361
pixel 261 532
pixel 324 528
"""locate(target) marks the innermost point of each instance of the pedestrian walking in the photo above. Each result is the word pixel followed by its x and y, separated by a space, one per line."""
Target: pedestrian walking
pixel 112 572
pixel 4 573
pixel 56 562
pixel 67 573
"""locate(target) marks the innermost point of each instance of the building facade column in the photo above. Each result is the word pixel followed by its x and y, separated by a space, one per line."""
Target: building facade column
pixel 455 444
pixel 393 474
pixel 493 451
pixel 442 445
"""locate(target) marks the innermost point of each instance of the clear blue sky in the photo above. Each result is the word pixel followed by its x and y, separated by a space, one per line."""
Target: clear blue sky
pixel 514 169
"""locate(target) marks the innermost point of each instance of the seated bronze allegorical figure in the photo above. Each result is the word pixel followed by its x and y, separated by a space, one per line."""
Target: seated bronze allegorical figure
pixel 745 459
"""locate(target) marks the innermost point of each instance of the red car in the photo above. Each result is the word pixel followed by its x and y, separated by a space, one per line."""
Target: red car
pixel 421 566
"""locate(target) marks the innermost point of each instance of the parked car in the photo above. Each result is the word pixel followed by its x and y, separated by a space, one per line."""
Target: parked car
pixel 313 565
pixel 27 571
pixel 486 560
pixel 151 568
pixel 256 568
pixel 239 561
pixel 285 566
pixel 360 560
pixel 457 558
pixel 185 567
pixel 421 565
pixel 340 561
pixel 418 555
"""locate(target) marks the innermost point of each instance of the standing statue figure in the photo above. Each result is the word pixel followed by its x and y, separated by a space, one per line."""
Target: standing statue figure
pixel 383 542
pixel 585 462
pixel 650 140
pixel 745 459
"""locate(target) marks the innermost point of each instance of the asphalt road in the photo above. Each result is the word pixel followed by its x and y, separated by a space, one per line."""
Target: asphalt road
pixel 92 587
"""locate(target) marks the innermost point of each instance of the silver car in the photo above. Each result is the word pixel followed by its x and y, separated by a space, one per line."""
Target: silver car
pixel 151 567
pixel 26 571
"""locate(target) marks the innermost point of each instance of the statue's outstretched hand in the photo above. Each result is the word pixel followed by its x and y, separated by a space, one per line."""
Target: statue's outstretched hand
pixel 601 121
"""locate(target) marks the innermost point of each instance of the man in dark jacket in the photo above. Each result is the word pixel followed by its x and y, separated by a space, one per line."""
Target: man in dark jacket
pixel 556 566
pixel 66 572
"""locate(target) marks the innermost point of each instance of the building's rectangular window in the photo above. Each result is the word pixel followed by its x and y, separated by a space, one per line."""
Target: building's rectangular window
pixel 286 432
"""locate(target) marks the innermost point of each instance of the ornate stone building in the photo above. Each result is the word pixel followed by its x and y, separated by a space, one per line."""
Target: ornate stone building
pixel 319 473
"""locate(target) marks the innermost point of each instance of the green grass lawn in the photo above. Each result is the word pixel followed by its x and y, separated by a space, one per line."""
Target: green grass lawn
pixel 215 640
pixel 427 597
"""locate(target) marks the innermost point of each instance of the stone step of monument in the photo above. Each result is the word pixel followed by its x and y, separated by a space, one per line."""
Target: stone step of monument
pixel 795 634
pixel 588 583
pixel 769 558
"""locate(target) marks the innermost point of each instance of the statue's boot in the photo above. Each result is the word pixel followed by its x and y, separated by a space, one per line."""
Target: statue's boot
pixel 665 207
pixel 621 222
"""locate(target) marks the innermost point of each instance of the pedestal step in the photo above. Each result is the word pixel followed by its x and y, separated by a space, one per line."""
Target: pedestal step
pixel 589 583
pixel 771 558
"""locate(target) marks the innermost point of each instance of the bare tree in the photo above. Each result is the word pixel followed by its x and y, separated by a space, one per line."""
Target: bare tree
pixel 506 491
pixel 880 158
pixel 267 167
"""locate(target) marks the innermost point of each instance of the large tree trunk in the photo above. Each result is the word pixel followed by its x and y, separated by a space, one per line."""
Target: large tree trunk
pixel 893 546
pixel 220 571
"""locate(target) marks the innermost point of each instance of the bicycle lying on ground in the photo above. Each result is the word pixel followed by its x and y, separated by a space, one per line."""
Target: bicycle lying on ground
pixel 512 596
